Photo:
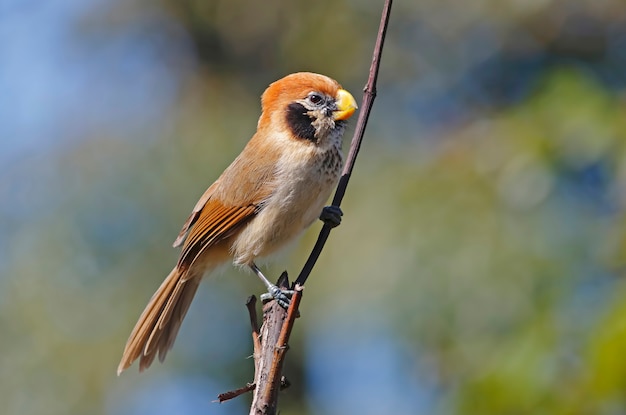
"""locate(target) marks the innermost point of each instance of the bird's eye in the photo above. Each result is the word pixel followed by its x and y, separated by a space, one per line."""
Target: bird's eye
pixel 316 99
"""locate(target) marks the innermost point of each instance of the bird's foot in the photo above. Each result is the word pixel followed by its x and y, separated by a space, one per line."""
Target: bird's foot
pixel 331 216
pixel 282 297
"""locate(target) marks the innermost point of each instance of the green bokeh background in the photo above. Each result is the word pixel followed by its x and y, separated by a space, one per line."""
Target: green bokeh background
pixel 479 267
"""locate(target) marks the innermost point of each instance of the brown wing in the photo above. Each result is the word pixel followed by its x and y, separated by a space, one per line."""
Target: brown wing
pixel 214 223
pixel 236 196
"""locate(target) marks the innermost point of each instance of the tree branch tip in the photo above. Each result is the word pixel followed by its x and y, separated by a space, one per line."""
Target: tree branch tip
pixel 251 301
pixel 226 396
pixel 251 306
pixel 283 280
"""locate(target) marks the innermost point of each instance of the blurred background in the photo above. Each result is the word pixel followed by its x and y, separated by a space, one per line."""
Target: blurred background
pixel 479 267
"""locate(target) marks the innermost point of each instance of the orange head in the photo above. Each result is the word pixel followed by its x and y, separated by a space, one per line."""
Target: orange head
pixel 306 104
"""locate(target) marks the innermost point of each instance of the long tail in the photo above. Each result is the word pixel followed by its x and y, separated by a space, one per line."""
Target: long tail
pixel 158 325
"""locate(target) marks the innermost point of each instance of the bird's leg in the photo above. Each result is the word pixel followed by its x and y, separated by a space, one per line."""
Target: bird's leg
pixel 282 297
pixel 331 216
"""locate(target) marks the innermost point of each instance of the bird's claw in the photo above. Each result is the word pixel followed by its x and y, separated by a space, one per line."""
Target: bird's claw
pixel 331 216
pixel 282 297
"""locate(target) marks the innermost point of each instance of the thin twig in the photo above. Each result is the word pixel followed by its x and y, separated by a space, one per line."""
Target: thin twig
pixel 355 145
pixel 223 397
pixel 254 324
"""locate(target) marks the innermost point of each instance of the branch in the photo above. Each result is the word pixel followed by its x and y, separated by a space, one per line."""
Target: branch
pixel 275 332
pixel 269 355
pixel 355 145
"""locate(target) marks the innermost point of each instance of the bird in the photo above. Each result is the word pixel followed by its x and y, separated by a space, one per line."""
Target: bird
pixel 270 193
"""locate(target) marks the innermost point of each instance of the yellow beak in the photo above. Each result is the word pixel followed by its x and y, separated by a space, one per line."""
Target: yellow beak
pixel 346 105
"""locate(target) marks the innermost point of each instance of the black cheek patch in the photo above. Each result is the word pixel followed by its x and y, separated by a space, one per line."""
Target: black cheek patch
pixel 299 122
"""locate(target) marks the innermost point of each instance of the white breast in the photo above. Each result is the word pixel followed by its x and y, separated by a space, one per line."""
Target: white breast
pixel 305 177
